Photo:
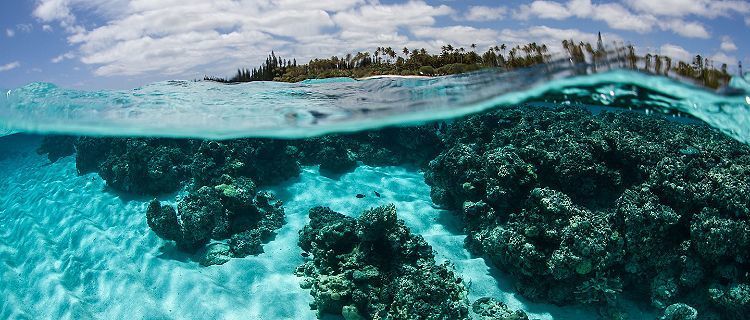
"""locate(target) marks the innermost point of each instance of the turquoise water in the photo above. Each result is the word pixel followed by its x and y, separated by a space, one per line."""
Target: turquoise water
pixel 79 252
pixel 564 194
pixel 313 107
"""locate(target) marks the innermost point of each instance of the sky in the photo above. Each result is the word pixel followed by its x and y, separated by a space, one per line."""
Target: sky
pixel 122 44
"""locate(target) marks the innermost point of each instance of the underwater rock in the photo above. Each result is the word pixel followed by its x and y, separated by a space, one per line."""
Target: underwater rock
pixel 340 153
pixel 56 147
pixel 581 207
pixel 490 309
pixel 262 160
pixel 162 219
pixel 136 166
pixel 335 158
pixel 147 166
pixel 150 166
pixel 231 210
pixel 202 217
pixel 373 267
pixel 679 311
pixel 215 254
pixel 91 152
pixel 246 243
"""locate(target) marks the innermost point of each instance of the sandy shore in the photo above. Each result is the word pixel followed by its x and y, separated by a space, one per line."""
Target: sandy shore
pixel 394 76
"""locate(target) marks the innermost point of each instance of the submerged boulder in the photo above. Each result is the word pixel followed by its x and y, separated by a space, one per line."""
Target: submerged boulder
pixel 56 147
pixel 374 267
pixel 233 211
pixel 162 219
pixel 490 309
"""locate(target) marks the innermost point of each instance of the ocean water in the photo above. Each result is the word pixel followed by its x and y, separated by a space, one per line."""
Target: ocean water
pixel 72 250
pixel 76 243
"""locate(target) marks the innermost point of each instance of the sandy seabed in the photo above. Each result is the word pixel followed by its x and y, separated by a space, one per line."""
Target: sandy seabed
pixel 69 249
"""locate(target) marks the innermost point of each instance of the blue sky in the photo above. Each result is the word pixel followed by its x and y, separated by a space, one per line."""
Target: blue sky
pixel 127 43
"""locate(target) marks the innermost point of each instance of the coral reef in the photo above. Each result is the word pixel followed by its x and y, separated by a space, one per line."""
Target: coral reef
pixel 149 166
pixel 56 147
pixel 490 309
pixel 582 208
pixel 142 166
pixel 414 146
pixel 232 210
pixel 374 268
pixel 579 207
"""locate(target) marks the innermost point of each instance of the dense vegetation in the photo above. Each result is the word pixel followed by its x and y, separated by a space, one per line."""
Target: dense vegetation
pixel 454 60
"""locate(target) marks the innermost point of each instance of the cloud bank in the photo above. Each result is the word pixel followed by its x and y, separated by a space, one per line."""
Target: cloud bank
pixel 194 37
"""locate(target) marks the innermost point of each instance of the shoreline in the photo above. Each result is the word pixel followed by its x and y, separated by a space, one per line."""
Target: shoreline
pixel 382 76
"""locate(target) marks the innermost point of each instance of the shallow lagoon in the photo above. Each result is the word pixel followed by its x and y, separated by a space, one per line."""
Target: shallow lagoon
pixel 71 248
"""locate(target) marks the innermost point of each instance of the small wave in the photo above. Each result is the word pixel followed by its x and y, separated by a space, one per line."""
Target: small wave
pixel 200 109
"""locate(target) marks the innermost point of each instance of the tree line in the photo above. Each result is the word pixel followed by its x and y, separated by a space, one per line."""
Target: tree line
pixel 454 60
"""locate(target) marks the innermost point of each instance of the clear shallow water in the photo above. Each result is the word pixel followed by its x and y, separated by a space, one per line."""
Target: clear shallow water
pixel 313 107
pixel 70 250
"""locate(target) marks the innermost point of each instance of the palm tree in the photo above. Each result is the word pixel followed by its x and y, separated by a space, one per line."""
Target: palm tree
pixel 389 51
pixel 405 50
pixel 473 46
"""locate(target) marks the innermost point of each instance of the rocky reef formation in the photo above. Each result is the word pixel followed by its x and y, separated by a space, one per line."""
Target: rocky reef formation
pixel 150 166
pixel 373 267
pixel 146 166
pixel 221 178
pixel 56 147
pixel 231 210
pixel 410 146
pixel 581 207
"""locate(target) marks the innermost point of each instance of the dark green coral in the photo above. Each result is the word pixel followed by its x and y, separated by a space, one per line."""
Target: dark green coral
pixel 374 267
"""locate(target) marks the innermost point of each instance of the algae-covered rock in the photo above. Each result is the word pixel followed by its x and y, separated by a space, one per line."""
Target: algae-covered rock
pixel 56 147
pixel 373 267
pixel 230 210
pixel 581 208
pixel 215 254
pixel 162 219
pixel 246 243
pixel 679 311
pixel 488 308
pixel 201 217
pixel 146 168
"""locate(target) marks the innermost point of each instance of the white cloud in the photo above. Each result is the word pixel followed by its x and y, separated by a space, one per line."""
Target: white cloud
pixel 54 10
pixel 484 13
pixel 545 10
pixel 747 21
pixel 686 28
pixel 456 35
pixel 614 15
pixel 23 28
pixel 727 44
pixel 193 37
pixel 722 57
pixel 681 8
pixel 26 27
pixel 62 57
pixel 676 52
pixel 10 66
pixel 180 37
